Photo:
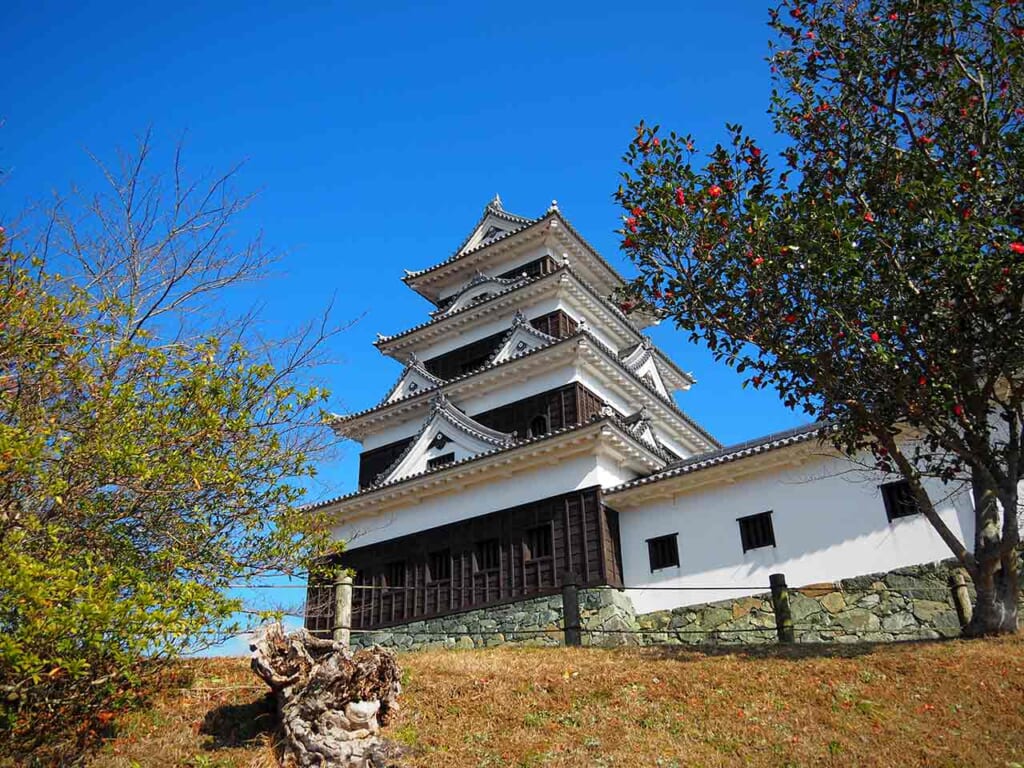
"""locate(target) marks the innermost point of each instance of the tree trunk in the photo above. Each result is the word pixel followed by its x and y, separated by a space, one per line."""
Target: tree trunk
pixel 996 569
pixel 331 701
pixel 996 606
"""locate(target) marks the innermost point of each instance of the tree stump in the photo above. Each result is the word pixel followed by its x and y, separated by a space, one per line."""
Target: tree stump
pixel 331 701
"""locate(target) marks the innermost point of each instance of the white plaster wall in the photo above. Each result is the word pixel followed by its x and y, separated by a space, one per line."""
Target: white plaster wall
pixel 826 526
pixel 498 493
pixel 627 408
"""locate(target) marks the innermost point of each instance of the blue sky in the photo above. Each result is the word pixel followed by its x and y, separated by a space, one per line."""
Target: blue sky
pixel 375 134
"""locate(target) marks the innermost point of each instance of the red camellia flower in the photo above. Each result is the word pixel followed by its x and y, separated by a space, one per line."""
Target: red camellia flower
pixel 875 337
pixel 758 261
pixel 756 381
pixel 791 318
pixel 680 196
pixel 631 223
pixel 629 242
pixel 869 217
pixel 958 409
pixel 637 211
pixel 755 152
pixel 714 190
pixel 656 141
pixel 922 381
pixel 1017 248
pixel 894 17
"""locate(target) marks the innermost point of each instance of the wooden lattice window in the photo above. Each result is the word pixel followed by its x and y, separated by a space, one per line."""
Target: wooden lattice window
pixel 488 555
pixel 439 566
pixel 538 542
pixel 899 500
pixel 663 551
pixel 394 575
pixel 756 531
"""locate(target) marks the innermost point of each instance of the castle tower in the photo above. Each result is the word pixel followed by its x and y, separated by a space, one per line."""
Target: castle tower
pixel 523 395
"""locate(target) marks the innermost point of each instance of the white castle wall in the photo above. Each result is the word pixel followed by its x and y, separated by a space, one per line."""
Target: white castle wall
pixel 827 526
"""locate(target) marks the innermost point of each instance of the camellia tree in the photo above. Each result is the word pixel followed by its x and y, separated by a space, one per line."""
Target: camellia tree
pixel 151 453
pixel 874 274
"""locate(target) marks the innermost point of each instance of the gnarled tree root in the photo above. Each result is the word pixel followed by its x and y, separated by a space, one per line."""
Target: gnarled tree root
pixel 332 702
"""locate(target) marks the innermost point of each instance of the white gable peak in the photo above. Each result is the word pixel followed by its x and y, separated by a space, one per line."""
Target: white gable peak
pixel 520 339
pixel 414 380
pixel 448 435
pixel 641 361
pixel 479 288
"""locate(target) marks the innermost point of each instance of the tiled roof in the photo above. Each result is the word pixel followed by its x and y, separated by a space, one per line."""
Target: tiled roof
pixel 728 454
pixel 612 354
pixel 525 224
pixel 493 208
pixel 518 444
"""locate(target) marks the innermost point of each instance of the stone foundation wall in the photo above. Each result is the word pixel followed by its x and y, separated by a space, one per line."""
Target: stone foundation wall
pixel 537 621
pixel 914 603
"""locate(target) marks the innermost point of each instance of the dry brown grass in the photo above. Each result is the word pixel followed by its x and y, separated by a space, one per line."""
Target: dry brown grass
pixel 898 705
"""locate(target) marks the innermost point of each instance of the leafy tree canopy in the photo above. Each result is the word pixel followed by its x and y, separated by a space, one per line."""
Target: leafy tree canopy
pixel 150 453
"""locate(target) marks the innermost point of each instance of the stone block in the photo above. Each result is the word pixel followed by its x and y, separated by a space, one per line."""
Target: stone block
pixel 898 621
pixel 714 616
pixel 802 607
pixel 817 590
pixel 928 610
pixel 833 602
pixel 858 619
pixel 745 605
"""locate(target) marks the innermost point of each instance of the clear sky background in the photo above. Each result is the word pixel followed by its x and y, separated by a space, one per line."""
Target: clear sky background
pixel 376 133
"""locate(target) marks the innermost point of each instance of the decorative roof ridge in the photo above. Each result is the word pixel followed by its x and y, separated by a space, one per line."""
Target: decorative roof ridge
pixel 469 459
pixel 442 407
pixel 519 322
pixel 493 208
pixel 552 212
pixel 671 403
pixel 523 282
pixel 562 267
pixel 414 364
pixel 729 454
pixel 580 333
pixel 479 279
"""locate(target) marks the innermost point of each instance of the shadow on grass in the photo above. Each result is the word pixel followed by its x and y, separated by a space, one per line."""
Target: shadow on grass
pixel 240 725
pixel 795 651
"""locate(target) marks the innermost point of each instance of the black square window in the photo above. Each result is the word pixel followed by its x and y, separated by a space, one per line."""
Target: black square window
pixel 899 500
pixel 440 565
pixel 440 461
pixel 394 575
pixel 663 551
pixel 488 555
pixel 756 531
pixel 538 542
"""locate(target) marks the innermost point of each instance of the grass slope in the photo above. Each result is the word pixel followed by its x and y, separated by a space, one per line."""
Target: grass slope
pixel 920 704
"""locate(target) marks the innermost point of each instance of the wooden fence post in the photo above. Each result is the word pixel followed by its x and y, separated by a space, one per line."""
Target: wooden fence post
pixel 343 607
pixel 961 597
pixel 780 604
pixel 571 609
